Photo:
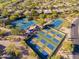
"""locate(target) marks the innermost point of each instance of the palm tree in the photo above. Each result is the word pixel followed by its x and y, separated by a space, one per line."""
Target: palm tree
pixel 32 53
pixel 12 17
pixel 67 46
pixel 23 43
pixel 30 18
pixel 42 16
pixel 8 26
pixel 34 13
pixel 2 32
pixel 54 14
pixel 5 13
pixel 3 21
pixel 13 50
pixel 15 31
pixel 1 50
pixel 0 21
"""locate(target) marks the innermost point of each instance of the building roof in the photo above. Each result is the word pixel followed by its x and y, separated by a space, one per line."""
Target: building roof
pixel 47 11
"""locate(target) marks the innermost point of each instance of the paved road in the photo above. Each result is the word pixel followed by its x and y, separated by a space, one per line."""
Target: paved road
pixel 75 32
pixel 75 36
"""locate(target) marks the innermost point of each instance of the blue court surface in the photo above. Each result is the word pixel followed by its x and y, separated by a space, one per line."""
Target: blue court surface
pixel 27 25
pixel 43 41
pixel 17 21
pixel 23 24
pixel 56 23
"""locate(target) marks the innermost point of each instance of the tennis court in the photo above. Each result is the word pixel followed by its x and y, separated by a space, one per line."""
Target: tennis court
pixel 45 43
pixel 23 24
pixel 56 23
pixel 27 25
pixel 18 21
